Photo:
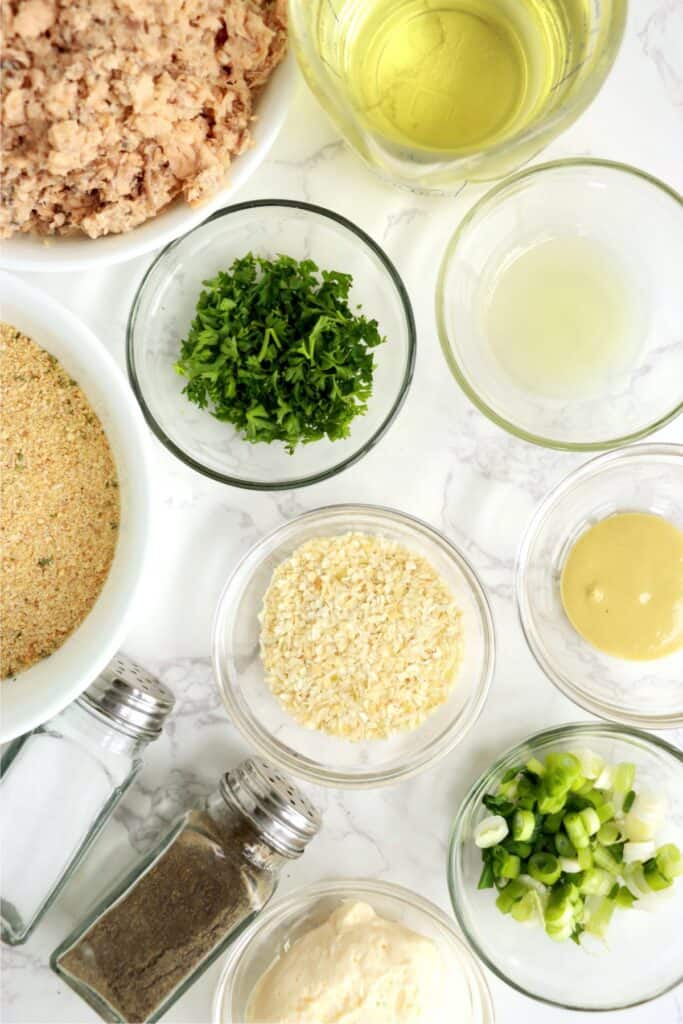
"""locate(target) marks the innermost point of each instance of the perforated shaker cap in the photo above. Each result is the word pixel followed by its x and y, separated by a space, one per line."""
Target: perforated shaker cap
pixel 273 804
pixel 135 702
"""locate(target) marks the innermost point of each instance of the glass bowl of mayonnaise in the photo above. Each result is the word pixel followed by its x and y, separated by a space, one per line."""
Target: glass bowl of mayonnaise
pixel 600 586
pixel 335 947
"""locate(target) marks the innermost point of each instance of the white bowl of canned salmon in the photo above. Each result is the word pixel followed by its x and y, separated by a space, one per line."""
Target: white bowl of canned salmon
pixel 354 646
pixel 352 949
pixel 160 114
pixel 75 506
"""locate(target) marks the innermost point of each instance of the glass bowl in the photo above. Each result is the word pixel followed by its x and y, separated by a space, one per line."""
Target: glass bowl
pixel 569 48
pixel 639 387
pixel 164 307
pixel 645 955
pixel 641 478
pixel 288 918
pixel 329 760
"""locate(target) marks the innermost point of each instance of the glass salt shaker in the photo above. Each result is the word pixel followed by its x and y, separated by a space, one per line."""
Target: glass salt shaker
pixel 60 783
pixel 158 929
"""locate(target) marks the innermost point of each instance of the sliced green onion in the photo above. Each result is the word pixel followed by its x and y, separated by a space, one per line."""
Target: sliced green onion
pixel 553 822
pixel 545 867
pixel 486 877
pixel 526 910
pixel 523 825
pixel 604 859
pixel 654 877
pixel 564 846
pixel 526 793
pixel 521 850
pixel 506 865
pixel 638 851
pixel 511 774
pixel 591 763
pixel 609 833
pixel 624 777
pixel 625 897
pixel 591 821
pixel 645 818
pixel 669 860
pixel 569 841
pixel 498 804
pixel 561 770
pixel 585 858
pixel 576 830
pixel 596 882
pixel 598 917
pixel 605 811
pixel 634 877
pixel 604 779
pixel 549 803
pixel 490 831
pixel 509 896
pixel 629 800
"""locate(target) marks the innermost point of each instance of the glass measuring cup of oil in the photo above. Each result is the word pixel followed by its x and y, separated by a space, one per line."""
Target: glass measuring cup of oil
pixel 434 92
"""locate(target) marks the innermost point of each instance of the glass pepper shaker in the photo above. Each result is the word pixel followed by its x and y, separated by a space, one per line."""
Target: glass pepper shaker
pixel 219 864
pixel 60 783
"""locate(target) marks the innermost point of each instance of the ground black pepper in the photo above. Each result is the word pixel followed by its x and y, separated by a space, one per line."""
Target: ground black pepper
pixel 215 868
pixel 160 930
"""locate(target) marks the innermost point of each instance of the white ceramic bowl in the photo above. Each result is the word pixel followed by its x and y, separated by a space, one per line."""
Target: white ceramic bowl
pixel 33 252
pixel 286 919
pixel 48 686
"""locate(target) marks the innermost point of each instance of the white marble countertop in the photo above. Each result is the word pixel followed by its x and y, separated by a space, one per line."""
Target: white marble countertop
pixel 441 460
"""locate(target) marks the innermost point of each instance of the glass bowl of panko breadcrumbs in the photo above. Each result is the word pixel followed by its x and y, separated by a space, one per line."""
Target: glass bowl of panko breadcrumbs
pixel 354 646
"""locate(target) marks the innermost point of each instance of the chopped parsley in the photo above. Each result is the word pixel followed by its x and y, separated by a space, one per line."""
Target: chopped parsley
pixel 276 350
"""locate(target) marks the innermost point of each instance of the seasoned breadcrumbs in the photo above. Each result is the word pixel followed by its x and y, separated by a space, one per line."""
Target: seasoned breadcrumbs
pixel 360 637
pixel 59 514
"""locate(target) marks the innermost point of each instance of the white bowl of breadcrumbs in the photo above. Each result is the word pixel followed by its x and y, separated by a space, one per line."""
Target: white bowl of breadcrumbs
pixel 354 646
pixel 88 547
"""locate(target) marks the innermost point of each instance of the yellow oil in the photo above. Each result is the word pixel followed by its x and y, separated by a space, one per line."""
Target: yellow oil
pixel 561 317
pixel 448 75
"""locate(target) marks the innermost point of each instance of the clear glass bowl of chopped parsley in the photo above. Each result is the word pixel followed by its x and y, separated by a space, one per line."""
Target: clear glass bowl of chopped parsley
pixel 637 952
pixel 272 346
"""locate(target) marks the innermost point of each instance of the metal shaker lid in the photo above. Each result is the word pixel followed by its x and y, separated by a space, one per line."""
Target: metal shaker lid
pixel 273 804
pixel 132 699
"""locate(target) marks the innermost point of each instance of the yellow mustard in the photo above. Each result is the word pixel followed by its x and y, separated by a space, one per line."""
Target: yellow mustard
pixel 622 586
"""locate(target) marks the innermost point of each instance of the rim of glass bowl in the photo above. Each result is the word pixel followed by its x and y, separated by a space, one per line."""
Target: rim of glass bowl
pixel 306 895
pixel 312 771
pixel 483 783
pixel 312 478
pixel 602 709
pixel 491 197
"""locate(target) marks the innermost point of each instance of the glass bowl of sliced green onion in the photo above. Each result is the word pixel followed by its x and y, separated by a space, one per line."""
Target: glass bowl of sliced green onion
pixel 565 867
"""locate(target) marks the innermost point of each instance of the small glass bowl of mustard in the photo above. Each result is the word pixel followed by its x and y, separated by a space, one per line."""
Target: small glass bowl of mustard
pixel 645 478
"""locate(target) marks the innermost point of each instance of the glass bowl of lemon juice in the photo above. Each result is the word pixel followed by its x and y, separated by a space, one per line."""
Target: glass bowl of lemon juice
pixel 434 92
pixel 560 307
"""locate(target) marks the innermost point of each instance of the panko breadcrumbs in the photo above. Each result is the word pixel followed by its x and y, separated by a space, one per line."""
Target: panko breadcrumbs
pixel 113 108
pixel 59 513
pixel 360 637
